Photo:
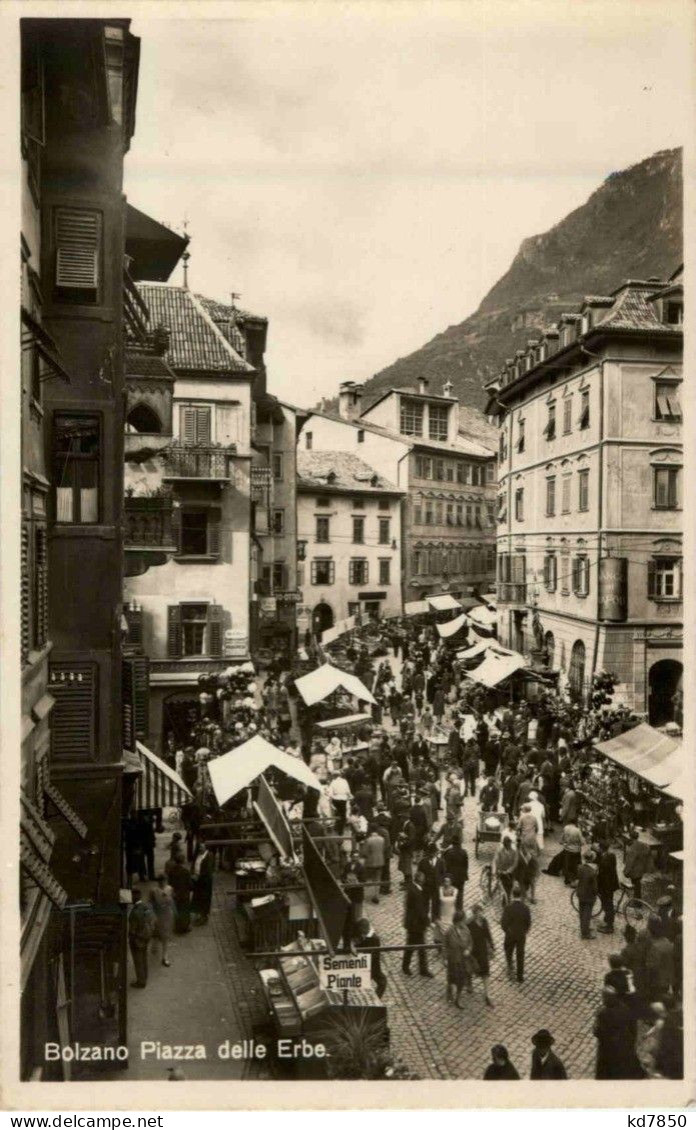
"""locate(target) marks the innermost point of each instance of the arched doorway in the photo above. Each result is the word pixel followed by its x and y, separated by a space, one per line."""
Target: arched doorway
pixel 322 618
pixel 665 692
pixel 550 648
pixel 144 420
pixel 576 671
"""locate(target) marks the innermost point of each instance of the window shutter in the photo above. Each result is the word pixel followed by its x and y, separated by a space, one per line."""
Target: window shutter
pixel 73 719
pixel 188 424
pixel 41 565
pixel 214 616
pixel 174 631
pixel 332 572
pixel 214 533
pixel 366 572
pixel 351 572
pixel 25 598
pixel 176 527
pixel 134 620
pixel 78 237
pixel 652 578
pixel 202 425
pixel 128 704
pixel 314 573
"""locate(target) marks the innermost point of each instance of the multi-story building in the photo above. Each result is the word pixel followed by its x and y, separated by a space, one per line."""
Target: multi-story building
pixel 79 81
pixel 188 445
pixel 348 540
pixel 443 459
pixel 274 592
pixel 591 493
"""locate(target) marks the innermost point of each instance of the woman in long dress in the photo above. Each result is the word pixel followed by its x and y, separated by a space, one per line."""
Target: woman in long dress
pixel 162 899
pixel 448 896
pixel 482 947
pixel 457 948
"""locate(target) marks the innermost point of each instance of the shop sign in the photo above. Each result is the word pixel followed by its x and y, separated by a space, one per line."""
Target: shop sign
pixel 289 596
pixel 613 588
pixel 267 605
pixel 345 971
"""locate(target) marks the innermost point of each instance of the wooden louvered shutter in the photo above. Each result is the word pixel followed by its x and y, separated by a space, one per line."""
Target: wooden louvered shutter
pixel 214 533
pixel 188 425
pixel 652 578
pixel 176 526
pixel 332 572
pixel 41 590
pixel 74 716
pixel 202 425
pixel 174 631
pixel 25 596
pixel 134 619
pixel 78 240
pixel 135 697
pixel 214 617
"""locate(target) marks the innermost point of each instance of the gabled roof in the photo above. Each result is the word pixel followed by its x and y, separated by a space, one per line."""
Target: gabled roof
pixel 633 311
pixel 195 342
pixel 464 445
pixel 340 471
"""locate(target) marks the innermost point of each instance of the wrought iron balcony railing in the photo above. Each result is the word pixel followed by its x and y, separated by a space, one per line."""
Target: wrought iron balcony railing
pixel 148 524
pixel 198 463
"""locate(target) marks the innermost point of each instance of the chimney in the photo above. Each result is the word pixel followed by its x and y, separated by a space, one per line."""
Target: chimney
pixel 349 400
pixel 448 389
pixel 423 384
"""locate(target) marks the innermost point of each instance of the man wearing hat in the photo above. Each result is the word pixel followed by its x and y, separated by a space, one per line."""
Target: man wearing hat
pixel 545 1063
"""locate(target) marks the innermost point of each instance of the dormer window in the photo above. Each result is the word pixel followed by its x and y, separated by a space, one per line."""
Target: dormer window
pixel 411 418
pixel 438 421
pixel 674 313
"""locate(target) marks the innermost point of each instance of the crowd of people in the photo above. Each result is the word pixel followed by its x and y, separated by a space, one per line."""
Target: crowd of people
pixel 434 739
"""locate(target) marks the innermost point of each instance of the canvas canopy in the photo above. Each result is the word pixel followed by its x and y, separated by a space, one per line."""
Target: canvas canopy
pixel 482 615
pixel 342 720
pixel 649 754
pixel 159 786
pixel 236 770
pixel 498 664
pixel 443 602
pixel 472 652
pixel 416 607
pixel 451 627
pixel 319 684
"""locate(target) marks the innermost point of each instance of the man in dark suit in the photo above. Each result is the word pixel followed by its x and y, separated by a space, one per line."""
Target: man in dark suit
pixel 545 1063
pixel 516 924
pixel 203 868
pixel 637 862
pixel 367 939
pixel 455 860
pixel 141 927
pixel 586 891
pixel 419 820
pixel 415 923
pixel 607 885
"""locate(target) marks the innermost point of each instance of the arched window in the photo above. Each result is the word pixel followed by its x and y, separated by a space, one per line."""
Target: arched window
pixel 143 419
pixel 576 671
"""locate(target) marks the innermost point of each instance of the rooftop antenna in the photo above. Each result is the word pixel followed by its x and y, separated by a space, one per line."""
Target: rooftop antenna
pixel 186 255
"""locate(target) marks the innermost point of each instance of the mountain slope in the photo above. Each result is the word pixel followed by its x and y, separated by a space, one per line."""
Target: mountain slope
pixel 631 227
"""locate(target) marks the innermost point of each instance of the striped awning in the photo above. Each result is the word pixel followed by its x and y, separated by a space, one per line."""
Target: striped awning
pixel 159 786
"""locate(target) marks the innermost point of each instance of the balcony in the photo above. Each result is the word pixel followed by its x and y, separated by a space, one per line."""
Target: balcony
pixel 200 462
pixel 512 592
pixel 147 524
pixel 135 311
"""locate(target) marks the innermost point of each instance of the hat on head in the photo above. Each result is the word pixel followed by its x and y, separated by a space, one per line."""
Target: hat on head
pixel 543 1038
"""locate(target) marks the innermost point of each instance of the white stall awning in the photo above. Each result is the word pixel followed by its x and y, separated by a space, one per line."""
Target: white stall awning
pixel 236 770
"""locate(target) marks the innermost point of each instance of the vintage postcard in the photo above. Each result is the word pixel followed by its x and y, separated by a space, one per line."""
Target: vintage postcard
pixel 345 555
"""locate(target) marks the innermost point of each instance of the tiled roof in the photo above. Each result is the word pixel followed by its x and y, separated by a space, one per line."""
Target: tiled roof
pixel 223 312
pixel 463 446
pixel 632 311
pixel 195 342
pixel 139 364
pixel 352 475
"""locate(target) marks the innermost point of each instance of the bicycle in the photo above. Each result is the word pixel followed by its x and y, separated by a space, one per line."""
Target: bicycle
pixel 489 882
pixel 635 911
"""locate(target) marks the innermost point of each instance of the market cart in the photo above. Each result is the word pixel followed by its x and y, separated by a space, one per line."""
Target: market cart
pixel 490 828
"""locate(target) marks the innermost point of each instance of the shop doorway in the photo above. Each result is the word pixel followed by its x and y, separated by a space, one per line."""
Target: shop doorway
pixel 576 671
pixel 372 609
pixel 322 618
pixel 180 712
pixel 665 692
pixel 518 620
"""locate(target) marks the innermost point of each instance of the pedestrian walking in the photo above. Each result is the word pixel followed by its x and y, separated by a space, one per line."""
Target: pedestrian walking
pixel 162 900
pixel 457 948
pixel 615 1031
pixel 586 892
pixel 482 948
pixel 506 864
pixel 607 885
pixel 545 1063
pixel 516 923
pixel 141 926
pixel 179 875
pixel 203 868
pixel 500 1066
pixel 416 922
pixel 637 862
pixel 367 939
pixel 373 856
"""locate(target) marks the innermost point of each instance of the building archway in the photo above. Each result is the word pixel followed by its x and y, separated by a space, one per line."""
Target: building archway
pixel 550 648
pixel 576 671
pixel 143 419
pixel 665 692
pixel 322 618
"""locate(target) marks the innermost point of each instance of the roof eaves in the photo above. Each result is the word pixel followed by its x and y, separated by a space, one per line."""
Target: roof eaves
pixel 243 365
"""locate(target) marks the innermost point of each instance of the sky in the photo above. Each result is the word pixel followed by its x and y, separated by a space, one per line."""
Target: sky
pixel 362 174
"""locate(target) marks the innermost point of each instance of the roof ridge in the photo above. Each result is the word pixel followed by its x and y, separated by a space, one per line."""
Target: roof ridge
pixel 219 334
